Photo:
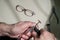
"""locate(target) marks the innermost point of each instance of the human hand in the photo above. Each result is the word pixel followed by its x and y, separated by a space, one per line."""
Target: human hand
pixel 45 35
pixel 19 28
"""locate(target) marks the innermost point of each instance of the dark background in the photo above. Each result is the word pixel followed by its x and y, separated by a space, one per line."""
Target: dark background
pixel 55 28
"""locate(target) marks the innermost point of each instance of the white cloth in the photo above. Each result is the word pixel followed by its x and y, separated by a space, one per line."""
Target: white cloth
pixel 41 8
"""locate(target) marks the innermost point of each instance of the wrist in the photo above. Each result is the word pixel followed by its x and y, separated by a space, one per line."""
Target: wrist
pixel 11 29
pixel 5 29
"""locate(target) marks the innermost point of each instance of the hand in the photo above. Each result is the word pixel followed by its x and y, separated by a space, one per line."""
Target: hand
pixel 19 28
pixel 45 35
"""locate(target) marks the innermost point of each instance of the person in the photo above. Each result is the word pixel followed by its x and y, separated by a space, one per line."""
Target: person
pixel 18 29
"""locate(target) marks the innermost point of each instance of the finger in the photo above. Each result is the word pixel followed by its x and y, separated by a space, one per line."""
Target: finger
pixel 28 34
pixel 22 39
pixel 34 34
pixel 25 37
pixel 30 24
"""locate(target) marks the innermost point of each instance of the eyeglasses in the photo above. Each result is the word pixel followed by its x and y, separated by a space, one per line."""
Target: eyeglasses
pixel 27 12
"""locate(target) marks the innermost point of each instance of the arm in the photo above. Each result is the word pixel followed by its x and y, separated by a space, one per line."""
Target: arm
pixel 15 30
pixel 5 29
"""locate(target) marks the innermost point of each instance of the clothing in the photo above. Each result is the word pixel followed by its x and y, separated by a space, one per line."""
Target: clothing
pixel 41 9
